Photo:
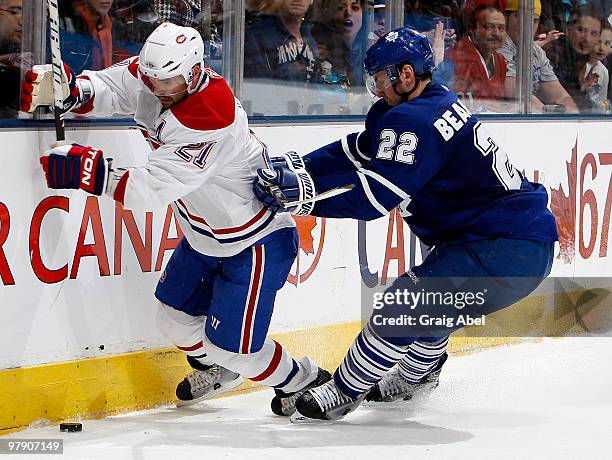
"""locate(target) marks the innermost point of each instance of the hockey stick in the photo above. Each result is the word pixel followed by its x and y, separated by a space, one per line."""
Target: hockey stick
pixel 322 196
pixel 56 62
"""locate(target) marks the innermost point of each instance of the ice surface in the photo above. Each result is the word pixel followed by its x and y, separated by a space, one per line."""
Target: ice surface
pixel 548 399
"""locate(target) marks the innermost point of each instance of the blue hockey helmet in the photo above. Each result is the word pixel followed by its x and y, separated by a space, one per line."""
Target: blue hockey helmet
pixel 400 46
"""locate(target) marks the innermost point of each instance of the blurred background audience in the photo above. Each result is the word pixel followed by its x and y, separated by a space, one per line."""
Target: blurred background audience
pixel 280 45
pixel 570 54
pixel 548 94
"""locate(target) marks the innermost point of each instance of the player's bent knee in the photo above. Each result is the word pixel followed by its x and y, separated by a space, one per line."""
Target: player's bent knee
pixel 184 330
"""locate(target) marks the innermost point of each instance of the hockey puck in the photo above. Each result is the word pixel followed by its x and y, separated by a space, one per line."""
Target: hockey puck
pixel 71 427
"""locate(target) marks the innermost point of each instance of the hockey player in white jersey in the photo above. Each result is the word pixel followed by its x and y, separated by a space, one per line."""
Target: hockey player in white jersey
pixel 216 295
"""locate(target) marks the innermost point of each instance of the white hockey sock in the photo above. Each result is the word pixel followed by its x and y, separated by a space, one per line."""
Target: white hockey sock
pixel 271 366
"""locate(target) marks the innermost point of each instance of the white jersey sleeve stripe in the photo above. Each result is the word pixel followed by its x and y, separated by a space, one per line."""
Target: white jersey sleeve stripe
pixel 348 153
pixel 359 152
pixel 366 188
pixel 387 183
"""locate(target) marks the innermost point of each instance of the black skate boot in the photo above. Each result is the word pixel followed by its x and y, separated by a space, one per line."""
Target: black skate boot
pixel 325 402
pixel 205 382
pixel 283 404
pixel 393 388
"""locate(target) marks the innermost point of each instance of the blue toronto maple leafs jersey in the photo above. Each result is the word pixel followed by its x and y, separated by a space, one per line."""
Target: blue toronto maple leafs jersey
pixel 439 164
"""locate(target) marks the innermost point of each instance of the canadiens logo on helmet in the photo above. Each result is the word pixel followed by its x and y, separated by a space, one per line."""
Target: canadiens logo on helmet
pixel 170 51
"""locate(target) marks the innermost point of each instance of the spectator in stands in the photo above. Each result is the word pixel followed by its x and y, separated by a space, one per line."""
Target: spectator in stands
pixel 179 12
pixel 545 84
pixel 10 26
pixel 378 28
pixel 87 37
pixel 569 54
pixel 341 40
pixel 11 58
pixel 471 6
pixel 281 46
pixel 598 92
pixel 479 70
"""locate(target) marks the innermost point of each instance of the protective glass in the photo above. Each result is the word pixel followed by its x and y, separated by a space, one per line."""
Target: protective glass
pixel 377 83
pixel 168 86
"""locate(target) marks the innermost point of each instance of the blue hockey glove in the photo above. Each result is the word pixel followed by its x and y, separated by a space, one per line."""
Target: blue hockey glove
pixel 284 184
pixel 74 166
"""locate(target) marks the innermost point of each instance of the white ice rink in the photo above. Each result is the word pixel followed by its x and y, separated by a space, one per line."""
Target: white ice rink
pixel 551 399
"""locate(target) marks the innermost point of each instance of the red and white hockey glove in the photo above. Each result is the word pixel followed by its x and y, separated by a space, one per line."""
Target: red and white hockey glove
pixel 37 88
pixel 74 166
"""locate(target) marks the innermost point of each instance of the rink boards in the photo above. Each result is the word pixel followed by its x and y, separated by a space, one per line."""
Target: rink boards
pixel 77 273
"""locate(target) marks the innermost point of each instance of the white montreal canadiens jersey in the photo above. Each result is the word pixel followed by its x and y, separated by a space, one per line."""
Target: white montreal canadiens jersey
pixel 204 160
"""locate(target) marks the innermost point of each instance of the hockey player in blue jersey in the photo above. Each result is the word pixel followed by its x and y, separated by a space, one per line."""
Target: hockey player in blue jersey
pixel 422 150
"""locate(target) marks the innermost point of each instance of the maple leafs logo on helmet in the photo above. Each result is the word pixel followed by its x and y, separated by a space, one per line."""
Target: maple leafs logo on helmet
pixel 392 36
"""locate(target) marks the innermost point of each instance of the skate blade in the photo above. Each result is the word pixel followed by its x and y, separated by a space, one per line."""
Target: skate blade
pixel 401 404
pixel 223 389
pixel 396 405
pixel 299 419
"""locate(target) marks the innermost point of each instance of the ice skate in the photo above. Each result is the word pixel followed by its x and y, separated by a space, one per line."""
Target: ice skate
pixel 324 403
pixel 394 389
pixel 205 383
pixel 283 404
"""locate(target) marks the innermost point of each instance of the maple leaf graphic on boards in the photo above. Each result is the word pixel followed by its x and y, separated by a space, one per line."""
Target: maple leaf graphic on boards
pixel 305 226
pixel 564 208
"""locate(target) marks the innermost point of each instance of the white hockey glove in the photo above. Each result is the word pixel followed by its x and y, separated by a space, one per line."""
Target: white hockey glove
pixel 286 183
pixel 37 88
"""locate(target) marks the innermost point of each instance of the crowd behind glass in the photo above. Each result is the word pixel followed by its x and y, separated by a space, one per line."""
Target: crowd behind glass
pixel 305 56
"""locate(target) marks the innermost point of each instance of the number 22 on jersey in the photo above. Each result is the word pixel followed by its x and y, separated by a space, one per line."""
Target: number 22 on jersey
pixel 507 174
pixel 403 153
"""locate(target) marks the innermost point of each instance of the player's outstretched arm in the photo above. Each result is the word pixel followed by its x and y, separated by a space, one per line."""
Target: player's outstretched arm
pixel 349 153
pixel 370 197
pixel 165 178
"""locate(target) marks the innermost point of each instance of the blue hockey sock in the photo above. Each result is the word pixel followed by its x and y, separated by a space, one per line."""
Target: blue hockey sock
pixel 367 361
pixel 421 358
